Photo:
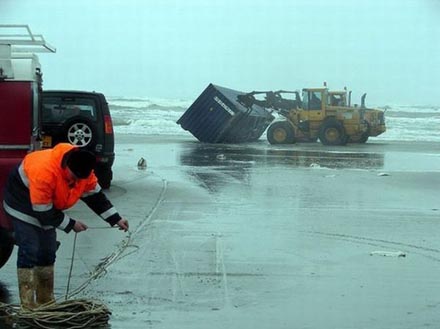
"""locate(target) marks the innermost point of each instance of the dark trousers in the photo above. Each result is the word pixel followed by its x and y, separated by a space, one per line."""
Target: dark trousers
pixel 36 247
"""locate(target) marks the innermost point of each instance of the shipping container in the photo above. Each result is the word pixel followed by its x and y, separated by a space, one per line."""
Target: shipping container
pixel 216 116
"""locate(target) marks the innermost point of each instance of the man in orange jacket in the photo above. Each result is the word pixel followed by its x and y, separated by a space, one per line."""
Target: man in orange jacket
pixel 36 193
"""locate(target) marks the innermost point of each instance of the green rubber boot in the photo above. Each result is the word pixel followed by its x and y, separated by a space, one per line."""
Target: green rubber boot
pixel 44 277
pixel 26 287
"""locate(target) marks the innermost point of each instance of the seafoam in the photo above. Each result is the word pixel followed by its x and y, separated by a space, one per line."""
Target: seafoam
pixel 156 116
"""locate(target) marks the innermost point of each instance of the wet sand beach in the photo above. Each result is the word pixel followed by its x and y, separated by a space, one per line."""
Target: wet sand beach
pixel 262 236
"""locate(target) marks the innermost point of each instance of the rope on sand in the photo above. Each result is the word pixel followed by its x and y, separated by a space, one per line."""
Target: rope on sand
pixel 101 268
pixel 72 314
pixel 76 313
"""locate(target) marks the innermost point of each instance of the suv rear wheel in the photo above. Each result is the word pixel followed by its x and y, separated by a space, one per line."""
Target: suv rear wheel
pixel 105 175
pixel 80 131
pixel 6 246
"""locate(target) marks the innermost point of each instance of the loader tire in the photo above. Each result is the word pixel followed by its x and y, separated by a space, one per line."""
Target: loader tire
pixel 332 132
pixel 281 132
pixel 363 138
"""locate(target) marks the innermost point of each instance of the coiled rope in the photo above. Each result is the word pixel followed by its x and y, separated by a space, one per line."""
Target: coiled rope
pixel 72 314
pixel 76 313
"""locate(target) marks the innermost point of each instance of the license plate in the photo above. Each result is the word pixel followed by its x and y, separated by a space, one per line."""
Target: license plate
pixel 47 141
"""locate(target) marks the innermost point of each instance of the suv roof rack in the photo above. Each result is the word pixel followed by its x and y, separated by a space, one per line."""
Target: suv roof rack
pixel 21 40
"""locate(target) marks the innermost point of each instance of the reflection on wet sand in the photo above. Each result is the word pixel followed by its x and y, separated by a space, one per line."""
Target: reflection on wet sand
pixel 252 155
pixel 216 165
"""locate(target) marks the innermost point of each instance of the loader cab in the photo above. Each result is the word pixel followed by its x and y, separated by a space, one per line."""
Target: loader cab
pixel 313 104
pixel 314 99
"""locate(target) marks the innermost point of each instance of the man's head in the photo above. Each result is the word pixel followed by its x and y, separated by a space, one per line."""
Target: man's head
pixel 81 162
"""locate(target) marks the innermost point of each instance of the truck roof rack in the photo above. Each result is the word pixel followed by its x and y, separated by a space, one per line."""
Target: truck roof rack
pixel 22 40
pixel 18 46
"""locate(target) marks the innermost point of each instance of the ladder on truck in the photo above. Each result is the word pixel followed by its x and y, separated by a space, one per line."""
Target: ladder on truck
pixel 18 42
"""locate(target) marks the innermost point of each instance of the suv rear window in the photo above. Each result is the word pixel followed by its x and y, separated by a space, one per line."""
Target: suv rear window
pixel 57 109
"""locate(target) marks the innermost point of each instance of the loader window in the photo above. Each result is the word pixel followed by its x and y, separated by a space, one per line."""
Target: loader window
pixel 336 100
pixel 312 100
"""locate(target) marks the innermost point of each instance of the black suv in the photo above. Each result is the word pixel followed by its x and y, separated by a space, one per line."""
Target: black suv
pixel 82 119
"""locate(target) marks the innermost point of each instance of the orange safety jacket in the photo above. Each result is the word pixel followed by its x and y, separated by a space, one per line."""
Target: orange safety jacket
pixel 38 191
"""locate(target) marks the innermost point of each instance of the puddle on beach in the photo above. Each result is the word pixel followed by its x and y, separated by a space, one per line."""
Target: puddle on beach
pixel 217 166
pixel 222 155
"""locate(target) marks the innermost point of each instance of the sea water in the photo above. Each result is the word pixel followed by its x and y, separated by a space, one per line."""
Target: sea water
pixel 155 116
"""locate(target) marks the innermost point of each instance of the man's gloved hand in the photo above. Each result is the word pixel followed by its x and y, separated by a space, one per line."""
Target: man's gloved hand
pixel 123 224
pixel 79 226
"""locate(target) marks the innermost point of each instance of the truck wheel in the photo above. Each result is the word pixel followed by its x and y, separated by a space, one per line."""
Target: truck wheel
pixel 332 133
pixel 6 246
pixel 281 132
pixel 80 131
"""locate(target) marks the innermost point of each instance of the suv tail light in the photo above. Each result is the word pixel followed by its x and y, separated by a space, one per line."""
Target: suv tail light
pixel 108 125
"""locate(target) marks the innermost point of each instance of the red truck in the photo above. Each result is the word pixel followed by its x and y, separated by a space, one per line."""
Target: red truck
pixel 20 108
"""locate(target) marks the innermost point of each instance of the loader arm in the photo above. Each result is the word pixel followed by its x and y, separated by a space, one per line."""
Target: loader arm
pixel 272 100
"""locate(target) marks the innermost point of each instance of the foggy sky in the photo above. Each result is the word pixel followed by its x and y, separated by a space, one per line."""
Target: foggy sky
pixel 174 49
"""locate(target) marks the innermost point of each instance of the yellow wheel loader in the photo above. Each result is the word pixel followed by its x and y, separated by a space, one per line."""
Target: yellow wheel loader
pixel 318 114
